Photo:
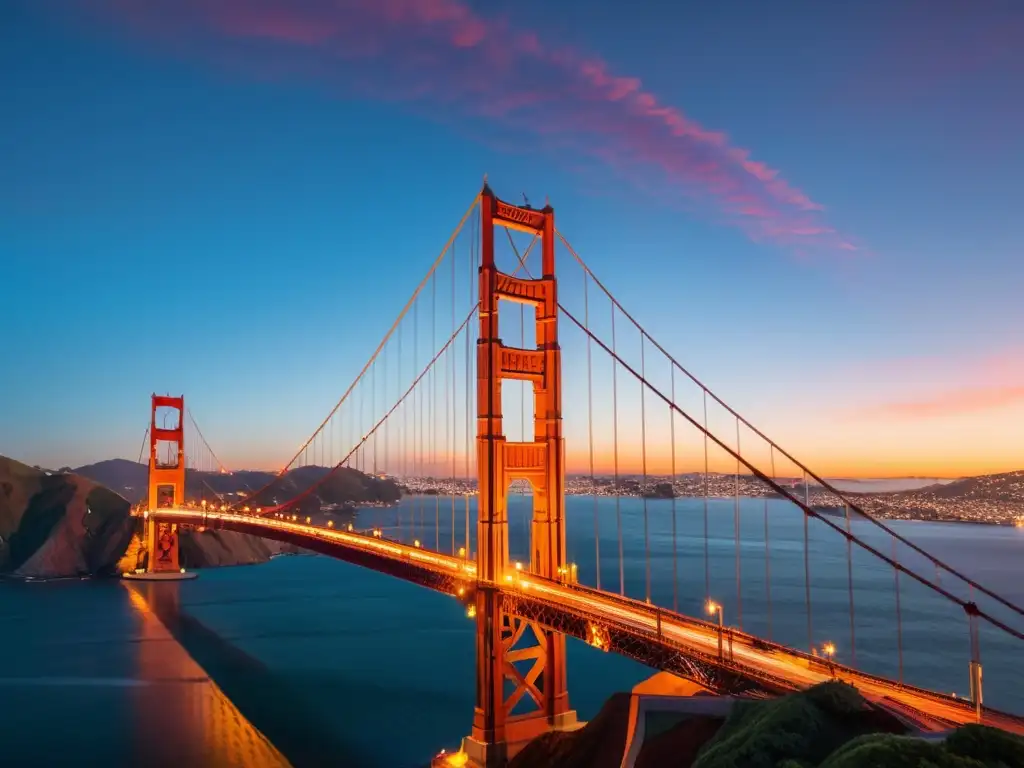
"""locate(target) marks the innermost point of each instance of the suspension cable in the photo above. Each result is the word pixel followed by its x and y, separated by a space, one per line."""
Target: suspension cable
pixel 849 585
pixel 707 554
pixel 802 505
pixel 824 483
pixel 590 432
pixel 675 547
pixel 199 432
pixel 142 448
pixel 807 566
pixel 768 551
pixel 899 617
pixel 384 418
pixel 615 440
pixel 643 461
pixel 736 533
pixel 384 341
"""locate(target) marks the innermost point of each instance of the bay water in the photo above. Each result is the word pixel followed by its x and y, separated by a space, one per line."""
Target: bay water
pixel 340 665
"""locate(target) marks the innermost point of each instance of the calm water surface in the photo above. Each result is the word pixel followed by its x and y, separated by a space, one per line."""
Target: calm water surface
pixel 328 659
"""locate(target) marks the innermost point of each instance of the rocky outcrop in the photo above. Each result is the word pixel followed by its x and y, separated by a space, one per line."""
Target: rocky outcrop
pixel 208 549
pixel 56 525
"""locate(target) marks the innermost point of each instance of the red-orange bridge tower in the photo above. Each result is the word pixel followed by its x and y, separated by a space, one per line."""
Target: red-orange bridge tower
pixel 517 659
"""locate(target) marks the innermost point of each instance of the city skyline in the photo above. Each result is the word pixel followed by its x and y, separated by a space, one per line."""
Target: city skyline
pixel 213 193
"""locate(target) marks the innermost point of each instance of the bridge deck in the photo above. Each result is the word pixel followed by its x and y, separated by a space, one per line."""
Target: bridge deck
pixel 657 636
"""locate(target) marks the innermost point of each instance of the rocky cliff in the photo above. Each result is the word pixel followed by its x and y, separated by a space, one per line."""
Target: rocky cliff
pixel 55 525
pixel 210 549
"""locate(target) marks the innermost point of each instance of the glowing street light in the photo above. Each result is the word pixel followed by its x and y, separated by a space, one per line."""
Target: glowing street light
pixel 330 523
pixel 714 608
pixel 829 649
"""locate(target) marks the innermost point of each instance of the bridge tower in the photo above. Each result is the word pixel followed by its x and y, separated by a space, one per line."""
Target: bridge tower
pixel 517 659
pixel 166 486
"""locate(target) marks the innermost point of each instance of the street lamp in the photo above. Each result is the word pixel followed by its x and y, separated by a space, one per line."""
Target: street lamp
pixel 716 608
pixel 829 650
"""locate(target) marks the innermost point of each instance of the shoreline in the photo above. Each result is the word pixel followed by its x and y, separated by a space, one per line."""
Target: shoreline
pixel 835 512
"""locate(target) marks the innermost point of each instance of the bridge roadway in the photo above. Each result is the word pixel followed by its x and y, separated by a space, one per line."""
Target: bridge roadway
pixel 646 632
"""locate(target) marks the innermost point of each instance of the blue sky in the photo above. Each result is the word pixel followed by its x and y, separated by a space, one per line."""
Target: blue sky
pixel 234 200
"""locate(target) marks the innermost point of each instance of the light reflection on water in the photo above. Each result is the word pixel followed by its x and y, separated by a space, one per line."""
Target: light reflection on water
pixel 333 662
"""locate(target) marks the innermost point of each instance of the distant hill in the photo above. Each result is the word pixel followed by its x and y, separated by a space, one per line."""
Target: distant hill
pixel 345 486
pixel 125 477
pixel 1008 486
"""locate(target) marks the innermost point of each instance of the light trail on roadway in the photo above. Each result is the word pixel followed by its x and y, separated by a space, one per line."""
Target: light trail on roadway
pixel 769 661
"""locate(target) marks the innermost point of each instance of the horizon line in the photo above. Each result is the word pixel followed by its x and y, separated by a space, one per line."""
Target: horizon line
pixel 596 473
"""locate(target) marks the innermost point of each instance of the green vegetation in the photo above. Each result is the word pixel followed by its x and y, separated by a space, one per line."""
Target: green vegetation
pixel 972 746
pixel 803 729
pixel 832 726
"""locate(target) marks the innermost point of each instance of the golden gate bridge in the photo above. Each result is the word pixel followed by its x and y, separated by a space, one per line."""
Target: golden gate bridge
pixel 435 408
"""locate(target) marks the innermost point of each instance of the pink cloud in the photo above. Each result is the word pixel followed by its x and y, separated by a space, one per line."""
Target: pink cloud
pixel 987 382
pixel 443 53
pixel 953 403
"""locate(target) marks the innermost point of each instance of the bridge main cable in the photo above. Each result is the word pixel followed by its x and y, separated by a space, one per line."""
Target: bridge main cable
pixel 362 441
pixel 938 562
pixel 968 607
pixel 213 455
pixel 770 482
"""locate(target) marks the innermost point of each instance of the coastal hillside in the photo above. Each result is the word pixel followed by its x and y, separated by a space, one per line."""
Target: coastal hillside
pixel 57 525
pixel 1007 486
pixel 828 726
pixel 61 524
pixel 985 499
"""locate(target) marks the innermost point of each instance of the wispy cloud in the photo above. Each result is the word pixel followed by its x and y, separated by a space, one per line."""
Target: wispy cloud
pixel 443 54
pixel 971 386
pixel 954 402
